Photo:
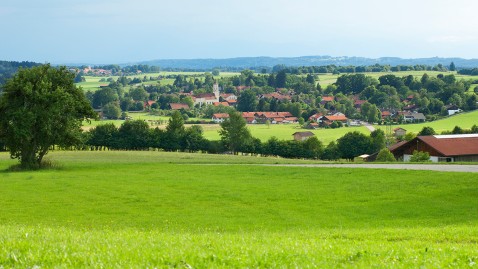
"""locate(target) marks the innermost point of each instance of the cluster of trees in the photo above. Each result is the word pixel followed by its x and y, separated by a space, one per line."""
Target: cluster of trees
pixel 430 94
pixel 468 71
pixel 127 70
pixel 137 135
pixel 359 69
pixel 235 138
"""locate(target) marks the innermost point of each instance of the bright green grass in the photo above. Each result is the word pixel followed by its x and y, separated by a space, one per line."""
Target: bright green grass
pixel 135 209
pixel 463 120
pixel 285 131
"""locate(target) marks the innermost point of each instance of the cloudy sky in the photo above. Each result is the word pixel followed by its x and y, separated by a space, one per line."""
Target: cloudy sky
pixel 120 31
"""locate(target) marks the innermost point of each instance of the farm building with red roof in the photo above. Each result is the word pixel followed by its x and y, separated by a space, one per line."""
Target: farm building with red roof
pixel 442 148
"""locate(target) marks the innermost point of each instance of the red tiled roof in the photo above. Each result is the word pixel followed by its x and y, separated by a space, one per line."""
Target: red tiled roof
pixel 315 116
pixel 149 102
pixel 220 115
pixel 397 145
pixel 177 106
pixel 328 98
pixel 248 114
pixel 453 145
pixel 220 103
pixel 336 117
pixel 277 96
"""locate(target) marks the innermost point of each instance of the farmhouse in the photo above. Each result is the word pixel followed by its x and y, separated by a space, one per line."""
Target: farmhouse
pixel 316 117
pixel 452 109
pixel 397 132
pixel 220 117
pixel 412 116
pixel 442 148
pixel 272 117
pixel 301 136
pixel 329 119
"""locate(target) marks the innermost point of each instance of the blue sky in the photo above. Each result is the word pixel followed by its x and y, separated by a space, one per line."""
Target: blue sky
pixel 121 31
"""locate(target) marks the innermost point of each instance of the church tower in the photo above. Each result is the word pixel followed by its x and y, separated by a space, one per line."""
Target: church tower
pixel 215 89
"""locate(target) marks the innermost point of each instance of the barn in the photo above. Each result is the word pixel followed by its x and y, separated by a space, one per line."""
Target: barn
pixel 442 148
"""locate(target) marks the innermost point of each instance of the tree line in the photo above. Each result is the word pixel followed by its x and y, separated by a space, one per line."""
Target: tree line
pixel 235 139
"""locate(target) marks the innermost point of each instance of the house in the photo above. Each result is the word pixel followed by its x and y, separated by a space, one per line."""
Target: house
pixel 276 95
pixel 398 132
pixel 232 102
pixel 412 116
pixel 442 148
pixel 386 114
pixel 452 109
pixel 219 117
pixel 315 117
pixel 149 103
pixel 301 136
pixel 327 99
pixel 272 117
pixel 228 96
pixel 291 120
pixel 329 119
pixel 178 106
pixel 313 125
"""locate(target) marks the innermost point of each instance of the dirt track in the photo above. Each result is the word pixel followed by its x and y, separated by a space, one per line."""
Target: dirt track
pixel 430 167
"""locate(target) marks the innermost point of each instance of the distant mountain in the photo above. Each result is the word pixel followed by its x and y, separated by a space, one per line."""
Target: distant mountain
pixel 255 62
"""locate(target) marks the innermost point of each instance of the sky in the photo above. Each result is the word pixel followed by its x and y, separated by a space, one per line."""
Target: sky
pixel 125 31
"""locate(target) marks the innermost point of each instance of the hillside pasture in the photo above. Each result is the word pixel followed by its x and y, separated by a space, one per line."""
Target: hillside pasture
pixel 154 209
pixel 285 131
pixel 463 120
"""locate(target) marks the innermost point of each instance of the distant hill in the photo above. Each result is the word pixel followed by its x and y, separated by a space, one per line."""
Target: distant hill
pixel 255 62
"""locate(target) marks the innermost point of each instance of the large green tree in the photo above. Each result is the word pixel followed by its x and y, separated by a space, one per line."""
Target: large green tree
pixel 41 107
pixel 234 133
pixel 354 144
pixel 247 101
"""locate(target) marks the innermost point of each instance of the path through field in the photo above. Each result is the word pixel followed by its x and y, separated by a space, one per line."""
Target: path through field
pixel 369 126
pixel 403 166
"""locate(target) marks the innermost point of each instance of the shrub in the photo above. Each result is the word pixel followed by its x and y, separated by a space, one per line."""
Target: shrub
pixel 420 157
pixel 384 155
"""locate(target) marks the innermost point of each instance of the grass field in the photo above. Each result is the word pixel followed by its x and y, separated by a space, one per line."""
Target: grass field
pixel 153 209
pixel 93 83
pixel 285 131
pixel 463 120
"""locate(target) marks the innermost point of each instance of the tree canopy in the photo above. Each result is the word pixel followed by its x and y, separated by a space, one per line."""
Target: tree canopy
pixel 41 107
pixel 234 133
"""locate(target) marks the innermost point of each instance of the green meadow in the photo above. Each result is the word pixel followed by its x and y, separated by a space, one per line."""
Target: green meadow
pixel 463 120
pixel 285 131
pixel 175 210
